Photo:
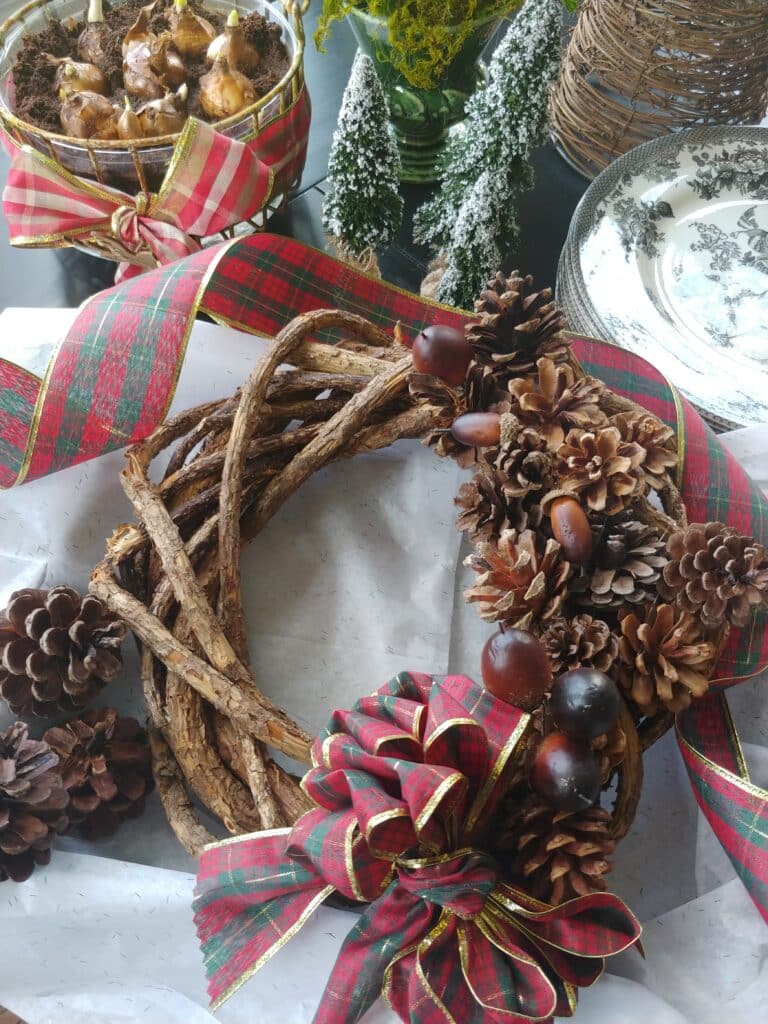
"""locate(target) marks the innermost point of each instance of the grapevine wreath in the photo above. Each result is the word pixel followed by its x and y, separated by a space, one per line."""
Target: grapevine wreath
pixel 476 822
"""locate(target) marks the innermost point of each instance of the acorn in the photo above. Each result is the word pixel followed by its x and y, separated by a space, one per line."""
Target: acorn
pixel 477 429
pixel 165 116
pixel 129 123
pixel 224 92
pixel 78 76
pixel 93 40
pixel 89 115
pixel 191 34
pixel 584 703
pixel 443 352
pixel 571 529
pixel 233 45
pixel 516 668
pixel 565 773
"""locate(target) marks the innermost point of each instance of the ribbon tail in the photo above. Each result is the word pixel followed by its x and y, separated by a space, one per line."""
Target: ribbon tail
pixel 736 809
pixel 250 900
pixel 394 922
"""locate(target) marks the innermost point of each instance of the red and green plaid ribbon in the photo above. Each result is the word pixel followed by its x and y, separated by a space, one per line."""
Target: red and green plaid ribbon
pixel 111 380
pixel 406 785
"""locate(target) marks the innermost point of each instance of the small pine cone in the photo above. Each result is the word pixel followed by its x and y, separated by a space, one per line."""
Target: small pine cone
pixel 656 438
pixel 33 803
pixel 663 659
pixel 517 326
pixel 610 748
pixel 555 398
pixel 480 394
pixel 716 573
pixel 626 565
pixel 525 463
pixel 581 642
pixel 561 854
pixel 57 650
pixel 105 766
pixel 600 468
pixel 516 584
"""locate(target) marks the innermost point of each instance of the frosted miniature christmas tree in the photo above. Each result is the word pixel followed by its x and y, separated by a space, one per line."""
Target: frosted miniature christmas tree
pixel 365 208
pixel 472 218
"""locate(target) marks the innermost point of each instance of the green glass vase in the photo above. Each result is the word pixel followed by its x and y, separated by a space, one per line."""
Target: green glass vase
pixel 421 117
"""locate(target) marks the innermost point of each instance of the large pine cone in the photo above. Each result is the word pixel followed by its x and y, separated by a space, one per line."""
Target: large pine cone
pixel 626 565
pixel 581 642
pixel 663 659
pixel 716 573
pixel 555 399
pixel 601 469
pixel 656 438
pixel 525 463
pixel 32 803
pixel 488 507
pixel 57 650
pixel 517 326
pixel 105 766
pixel 559 854
pixel 516 584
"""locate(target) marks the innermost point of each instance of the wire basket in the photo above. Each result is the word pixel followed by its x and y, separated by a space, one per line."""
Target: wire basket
pixel 637 69
pixel 140 165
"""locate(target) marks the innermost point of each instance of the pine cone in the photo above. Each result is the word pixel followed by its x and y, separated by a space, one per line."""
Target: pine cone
pixel 554 398
pixel 516 584
pixel 480 394
pixel 611 748
pixel 32 803
pixel 517 326
pixel 560 854
pixel 105 766
pixel 581 642
pixel 626 565
pixel 600 468
pixel 525 463
pixel 663 659
pixel 57 650
pixel 716 573
pixel 656 438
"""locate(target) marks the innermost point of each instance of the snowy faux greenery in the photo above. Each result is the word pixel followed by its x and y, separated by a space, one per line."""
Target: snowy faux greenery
pixel 485 168
pixel 365 208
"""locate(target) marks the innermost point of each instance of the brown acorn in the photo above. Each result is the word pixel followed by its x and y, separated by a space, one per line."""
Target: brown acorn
pixel 233 45
pixel 224 91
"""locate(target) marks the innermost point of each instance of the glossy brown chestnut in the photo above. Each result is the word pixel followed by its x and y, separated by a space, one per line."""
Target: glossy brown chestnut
pixel 516 668
pixel 443 352
pixel 565 772
pixel 571 529
pixel 584 703
pixel 477 429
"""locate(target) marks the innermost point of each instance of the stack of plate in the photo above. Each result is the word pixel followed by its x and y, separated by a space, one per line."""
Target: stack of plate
pixel 667 255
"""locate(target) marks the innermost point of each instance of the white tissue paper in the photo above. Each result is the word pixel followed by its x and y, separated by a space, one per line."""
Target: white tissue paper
pixel 354 580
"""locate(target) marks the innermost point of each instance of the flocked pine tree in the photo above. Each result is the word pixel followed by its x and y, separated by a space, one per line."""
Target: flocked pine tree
pixel 365 208
pixel 473 215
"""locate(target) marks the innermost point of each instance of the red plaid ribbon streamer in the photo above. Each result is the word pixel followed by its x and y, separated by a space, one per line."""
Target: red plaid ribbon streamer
pixel 406 785
pixel 126 347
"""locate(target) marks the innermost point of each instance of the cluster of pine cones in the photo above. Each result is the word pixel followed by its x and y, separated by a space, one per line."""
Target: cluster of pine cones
pixel 648 608
pixel 57 651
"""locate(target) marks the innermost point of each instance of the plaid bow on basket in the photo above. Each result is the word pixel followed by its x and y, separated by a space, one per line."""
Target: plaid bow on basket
pixel 407 785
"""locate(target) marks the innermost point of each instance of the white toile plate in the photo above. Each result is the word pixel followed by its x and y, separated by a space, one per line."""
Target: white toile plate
pixel 668 256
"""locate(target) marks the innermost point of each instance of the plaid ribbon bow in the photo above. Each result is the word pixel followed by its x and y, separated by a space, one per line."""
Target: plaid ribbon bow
pixel 212 182
pixel 406 785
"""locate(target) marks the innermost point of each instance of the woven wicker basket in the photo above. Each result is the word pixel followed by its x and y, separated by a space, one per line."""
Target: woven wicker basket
pixel 636 69
pixel 141 164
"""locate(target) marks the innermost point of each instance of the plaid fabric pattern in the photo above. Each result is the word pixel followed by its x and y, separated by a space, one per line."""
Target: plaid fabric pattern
pixel 427 896
pixel 212 182
pixel 112 379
